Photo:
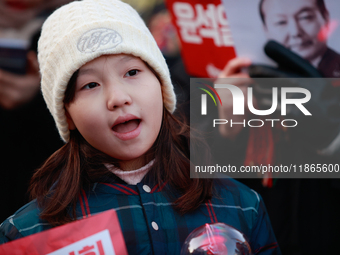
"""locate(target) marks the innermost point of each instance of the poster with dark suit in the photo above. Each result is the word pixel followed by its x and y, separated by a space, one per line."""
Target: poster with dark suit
pixel 309 28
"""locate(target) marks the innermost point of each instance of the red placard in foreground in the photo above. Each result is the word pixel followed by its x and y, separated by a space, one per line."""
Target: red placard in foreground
pixel 96 235
pixel 205 36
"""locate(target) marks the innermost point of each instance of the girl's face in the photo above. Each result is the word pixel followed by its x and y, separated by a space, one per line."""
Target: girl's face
pixel 117 107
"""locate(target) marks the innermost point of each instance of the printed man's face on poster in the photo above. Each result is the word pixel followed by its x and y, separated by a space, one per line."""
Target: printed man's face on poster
pixel 296 25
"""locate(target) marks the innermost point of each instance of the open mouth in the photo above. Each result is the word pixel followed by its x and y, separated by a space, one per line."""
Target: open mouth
pixel 126 126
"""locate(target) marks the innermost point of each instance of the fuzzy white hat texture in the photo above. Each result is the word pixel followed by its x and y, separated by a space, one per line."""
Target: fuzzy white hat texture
pixel 84 30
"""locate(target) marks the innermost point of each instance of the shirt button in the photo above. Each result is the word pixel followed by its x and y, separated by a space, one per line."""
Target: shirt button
pixel 146 188
pixel 154 225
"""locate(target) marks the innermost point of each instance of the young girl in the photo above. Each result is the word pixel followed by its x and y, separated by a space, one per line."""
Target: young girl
pixel 108 88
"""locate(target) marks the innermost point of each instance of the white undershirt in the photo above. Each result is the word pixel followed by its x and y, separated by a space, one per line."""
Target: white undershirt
pixel 133 176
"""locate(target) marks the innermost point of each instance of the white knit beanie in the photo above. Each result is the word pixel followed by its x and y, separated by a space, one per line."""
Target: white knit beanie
pixel 84 30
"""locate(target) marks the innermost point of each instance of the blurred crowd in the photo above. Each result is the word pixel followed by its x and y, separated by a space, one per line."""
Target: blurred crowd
pixel 28 134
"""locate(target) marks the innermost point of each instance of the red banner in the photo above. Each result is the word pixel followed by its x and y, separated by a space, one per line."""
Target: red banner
pixel 96 235
pixel 205 36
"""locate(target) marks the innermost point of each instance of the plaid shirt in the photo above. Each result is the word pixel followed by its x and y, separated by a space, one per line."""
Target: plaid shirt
pixel 148 221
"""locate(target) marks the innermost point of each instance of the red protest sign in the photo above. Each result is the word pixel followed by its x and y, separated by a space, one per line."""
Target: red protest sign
pixel 205 36
pixel 96 235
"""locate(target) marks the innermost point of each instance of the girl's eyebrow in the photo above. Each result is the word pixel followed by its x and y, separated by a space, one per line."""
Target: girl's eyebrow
pixel 86 71
pixel 126 58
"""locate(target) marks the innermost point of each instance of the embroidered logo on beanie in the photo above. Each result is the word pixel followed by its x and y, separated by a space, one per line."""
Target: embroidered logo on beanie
pixel 99 39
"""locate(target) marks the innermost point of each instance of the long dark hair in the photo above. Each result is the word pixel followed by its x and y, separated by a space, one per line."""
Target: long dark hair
pixel 57 184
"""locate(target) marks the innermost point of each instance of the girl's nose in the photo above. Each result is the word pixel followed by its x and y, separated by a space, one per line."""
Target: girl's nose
pixel 117 97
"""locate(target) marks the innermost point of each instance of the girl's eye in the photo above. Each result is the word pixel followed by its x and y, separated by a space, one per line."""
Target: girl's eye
pixel 132 72
pixel 91 85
